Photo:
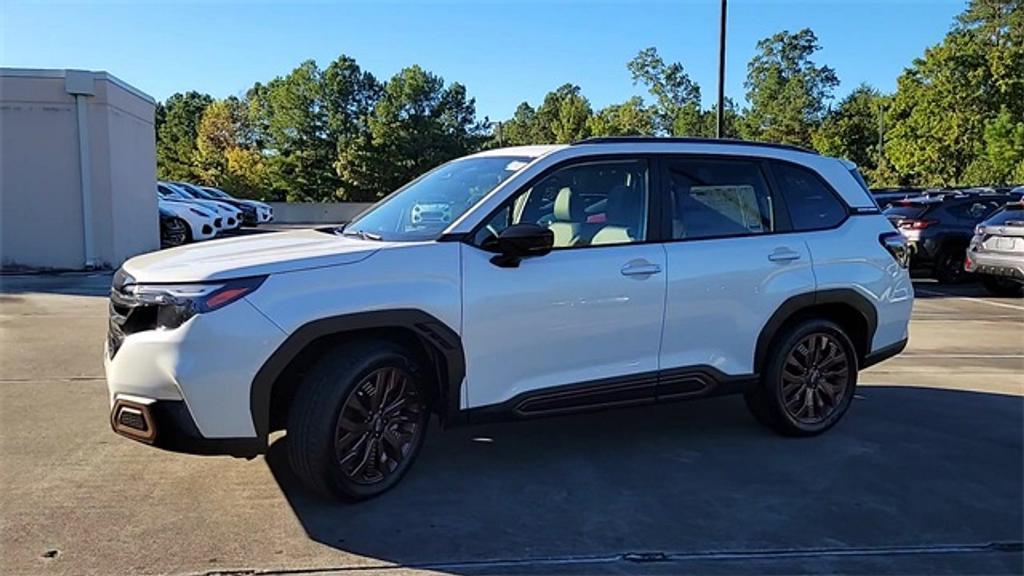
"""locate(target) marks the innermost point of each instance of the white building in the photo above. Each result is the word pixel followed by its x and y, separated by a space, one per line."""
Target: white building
pixel 77 170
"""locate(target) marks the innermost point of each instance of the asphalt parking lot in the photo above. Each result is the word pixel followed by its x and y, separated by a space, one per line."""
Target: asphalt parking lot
pixel 924 475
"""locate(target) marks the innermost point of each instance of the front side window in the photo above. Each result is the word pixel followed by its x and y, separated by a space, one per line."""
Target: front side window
pixel 812 206
pixel 714 198
pixel 422 209
pixel 587 204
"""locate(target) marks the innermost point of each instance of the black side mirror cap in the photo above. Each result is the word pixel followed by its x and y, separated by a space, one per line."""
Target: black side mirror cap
pixel 522 241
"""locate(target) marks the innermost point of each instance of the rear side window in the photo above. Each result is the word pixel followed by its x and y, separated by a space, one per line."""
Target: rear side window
pixel 812 206
pixel 714 198
pixel 973 211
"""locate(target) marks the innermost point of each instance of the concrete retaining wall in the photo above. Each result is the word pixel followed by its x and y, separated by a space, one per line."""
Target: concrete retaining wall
pixel 44 175
pixel 316 213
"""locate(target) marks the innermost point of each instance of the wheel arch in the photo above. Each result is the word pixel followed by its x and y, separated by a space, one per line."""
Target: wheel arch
pixel 846 307
pixel 436 341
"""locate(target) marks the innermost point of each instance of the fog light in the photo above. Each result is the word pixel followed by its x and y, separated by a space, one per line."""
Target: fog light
pixel 133 420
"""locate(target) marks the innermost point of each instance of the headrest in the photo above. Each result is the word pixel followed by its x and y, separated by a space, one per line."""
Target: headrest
pixel 568 208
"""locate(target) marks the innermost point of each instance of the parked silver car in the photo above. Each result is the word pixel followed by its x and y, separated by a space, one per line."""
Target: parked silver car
pixel 996 253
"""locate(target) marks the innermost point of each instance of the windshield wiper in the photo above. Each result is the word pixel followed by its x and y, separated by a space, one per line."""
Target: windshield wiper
pixel 362 235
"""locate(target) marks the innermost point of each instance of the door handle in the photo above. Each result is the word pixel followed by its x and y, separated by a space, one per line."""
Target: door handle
pixel 784 255
pixel 640 268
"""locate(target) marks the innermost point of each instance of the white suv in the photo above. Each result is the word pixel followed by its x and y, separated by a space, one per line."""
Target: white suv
pixel 516 283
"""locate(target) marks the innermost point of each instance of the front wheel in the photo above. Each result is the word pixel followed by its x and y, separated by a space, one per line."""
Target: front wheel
pixel 809 381
pixel 358 421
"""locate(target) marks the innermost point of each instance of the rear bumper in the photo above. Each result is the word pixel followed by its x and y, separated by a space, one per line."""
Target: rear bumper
pixel 993 264
pixel 167 424
pixel 884 353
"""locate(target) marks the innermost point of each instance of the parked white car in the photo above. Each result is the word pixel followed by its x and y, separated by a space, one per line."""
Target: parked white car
pixel 199 221
pixel 253 211
pixel 517 283
pixel 226 217
pixel 232 214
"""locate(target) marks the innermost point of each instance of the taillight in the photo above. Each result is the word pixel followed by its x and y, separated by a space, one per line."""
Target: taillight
pixel 897 246
pixel 917 224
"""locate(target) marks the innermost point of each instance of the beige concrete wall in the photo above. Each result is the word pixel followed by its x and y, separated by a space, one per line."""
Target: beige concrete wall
pixel 41 218
pixel 316 213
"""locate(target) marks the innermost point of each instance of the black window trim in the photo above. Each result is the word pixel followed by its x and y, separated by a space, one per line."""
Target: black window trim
pixel 654 232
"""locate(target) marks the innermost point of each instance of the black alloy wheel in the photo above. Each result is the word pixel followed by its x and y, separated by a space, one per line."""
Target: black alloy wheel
pixel 808 380
pixel 378 425
pixel 358 419
pixel 814 378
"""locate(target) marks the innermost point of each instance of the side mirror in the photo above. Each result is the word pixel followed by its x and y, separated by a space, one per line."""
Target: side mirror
pixel 522 241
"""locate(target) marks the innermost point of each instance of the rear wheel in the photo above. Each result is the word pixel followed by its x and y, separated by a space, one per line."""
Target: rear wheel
pixel 358 421
pixel 808 383
pixel 949 266
pixel 1003 287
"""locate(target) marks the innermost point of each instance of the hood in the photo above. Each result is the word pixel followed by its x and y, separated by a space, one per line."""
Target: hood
pixel 254 255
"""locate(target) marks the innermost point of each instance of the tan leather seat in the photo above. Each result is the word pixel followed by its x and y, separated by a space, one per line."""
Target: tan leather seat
pixel 568 218
pixel 623 217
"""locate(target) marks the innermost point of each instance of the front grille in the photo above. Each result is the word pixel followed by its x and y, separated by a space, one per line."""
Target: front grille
pixel 126 316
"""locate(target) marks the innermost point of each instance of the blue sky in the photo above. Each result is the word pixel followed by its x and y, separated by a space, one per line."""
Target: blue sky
pixel 503 52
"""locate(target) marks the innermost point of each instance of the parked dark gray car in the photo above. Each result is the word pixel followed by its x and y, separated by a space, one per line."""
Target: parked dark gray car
pixel 938 229
pixel 996 253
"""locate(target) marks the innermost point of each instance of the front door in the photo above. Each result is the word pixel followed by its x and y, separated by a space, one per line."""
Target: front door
pixel 581 325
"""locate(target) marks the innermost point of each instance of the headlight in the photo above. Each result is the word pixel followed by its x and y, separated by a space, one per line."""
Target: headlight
pixel 176 303
pixel 201 213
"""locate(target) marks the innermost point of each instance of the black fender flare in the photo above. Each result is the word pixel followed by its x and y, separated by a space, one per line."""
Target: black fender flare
pixel 434 333
pixel 795 304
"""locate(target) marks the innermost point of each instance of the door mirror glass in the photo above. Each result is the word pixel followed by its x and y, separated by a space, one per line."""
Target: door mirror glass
pixel 522 241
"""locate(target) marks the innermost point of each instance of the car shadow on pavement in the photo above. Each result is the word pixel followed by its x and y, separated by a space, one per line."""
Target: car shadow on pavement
pixel 906 467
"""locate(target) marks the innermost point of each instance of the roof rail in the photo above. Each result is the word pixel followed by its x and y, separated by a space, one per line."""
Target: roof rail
pixel 688 140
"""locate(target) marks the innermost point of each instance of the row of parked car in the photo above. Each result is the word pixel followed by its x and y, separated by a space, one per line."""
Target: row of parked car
pixel 190 213
pixel 955 234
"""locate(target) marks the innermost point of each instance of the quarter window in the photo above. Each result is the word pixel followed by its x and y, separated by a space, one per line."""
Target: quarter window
pixel 596 203
pixel 713 198
pixel 812 206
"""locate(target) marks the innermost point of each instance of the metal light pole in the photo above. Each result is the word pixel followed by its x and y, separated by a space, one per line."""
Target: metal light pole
pixel 720 116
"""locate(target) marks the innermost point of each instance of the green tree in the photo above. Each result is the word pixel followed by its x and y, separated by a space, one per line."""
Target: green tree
pixel 416 124
pixel 178 120
pixel 957 108
pixel 677 98
pixel 562 117
pixel 631 118
pixel 786 90
pixel 226 153
pixel 520 130
pixel 851 129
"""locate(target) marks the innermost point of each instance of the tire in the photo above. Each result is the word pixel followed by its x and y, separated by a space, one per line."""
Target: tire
pixel 354 381
pixel 186 233
pixel 831 380
pixel 1003 287
pixel 949 266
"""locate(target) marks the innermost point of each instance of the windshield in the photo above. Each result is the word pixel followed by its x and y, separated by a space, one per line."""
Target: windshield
pixel 215 193
pixel 422 209
pixel 171 193
pixel 906 211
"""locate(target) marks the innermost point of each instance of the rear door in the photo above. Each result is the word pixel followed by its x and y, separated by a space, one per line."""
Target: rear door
pixel 731 264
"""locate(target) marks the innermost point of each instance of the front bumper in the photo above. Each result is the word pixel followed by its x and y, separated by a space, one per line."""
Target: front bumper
pixel 168 424
pixel 206 366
